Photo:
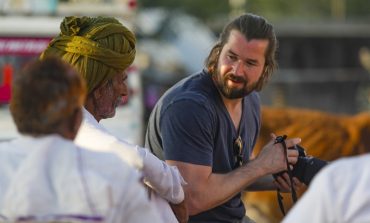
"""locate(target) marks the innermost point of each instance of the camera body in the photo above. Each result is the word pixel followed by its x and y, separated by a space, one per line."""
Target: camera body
pixel 306 167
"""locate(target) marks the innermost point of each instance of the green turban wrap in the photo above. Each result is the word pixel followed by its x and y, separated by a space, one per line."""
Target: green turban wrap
pixel 98 48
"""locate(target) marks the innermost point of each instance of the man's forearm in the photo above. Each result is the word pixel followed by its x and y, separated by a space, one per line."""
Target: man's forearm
pixel 206 190
pixel 219 188
pixel 262 184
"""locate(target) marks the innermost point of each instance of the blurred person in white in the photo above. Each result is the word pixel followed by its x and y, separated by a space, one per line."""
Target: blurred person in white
pixel 339 193
pixel 101 49
pixel 44 176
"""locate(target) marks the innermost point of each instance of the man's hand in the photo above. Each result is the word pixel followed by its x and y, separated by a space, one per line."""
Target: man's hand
pixel 272 158
pixel 283 183
pixel 181 211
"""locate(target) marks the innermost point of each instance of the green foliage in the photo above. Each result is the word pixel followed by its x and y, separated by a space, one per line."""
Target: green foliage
pixel 358 8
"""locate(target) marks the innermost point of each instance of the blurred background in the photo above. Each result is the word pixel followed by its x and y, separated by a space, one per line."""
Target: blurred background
pixel 322 87
pixel 324 58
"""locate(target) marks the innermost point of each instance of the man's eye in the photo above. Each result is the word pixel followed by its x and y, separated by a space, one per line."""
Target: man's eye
pixel 232 57
pixel 251 63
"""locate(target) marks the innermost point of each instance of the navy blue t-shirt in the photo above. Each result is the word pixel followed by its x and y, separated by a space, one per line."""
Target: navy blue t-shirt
pixel 191 124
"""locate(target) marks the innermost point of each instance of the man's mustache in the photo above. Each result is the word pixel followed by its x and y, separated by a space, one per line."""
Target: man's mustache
pixel 235 78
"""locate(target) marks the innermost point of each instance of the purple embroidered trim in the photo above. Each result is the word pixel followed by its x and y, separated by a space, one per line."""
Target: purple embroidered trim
pixel 61 217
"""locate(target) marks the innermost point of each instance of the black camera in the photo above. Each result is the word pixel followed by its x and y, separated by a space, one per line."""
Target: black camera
pixel 306 167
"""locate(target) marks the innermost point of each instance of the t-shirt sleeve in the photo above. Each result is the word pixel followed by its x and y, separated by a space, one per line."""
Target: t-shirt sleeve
pixel 186 127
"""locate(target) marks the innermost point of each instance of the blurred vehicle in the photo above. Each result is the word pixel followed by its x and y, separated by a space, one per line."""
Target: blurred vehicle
pixel 186 40
pixel 174 44
pixel 21 39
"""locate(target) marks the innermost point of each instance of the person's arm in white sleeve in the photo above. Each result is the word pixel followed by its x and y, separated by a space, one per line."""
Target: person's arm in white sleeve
pixel 316 204
pixel 166 180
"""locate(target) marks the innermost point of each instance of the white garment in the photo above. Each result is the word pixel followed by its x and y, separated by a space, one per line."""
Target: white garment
pixel 339 193
pixel 49 176
pixel 165 180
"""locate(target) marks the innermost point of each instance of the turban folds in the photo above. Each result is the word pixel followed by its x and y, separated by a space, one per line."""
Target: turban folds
pixel 98 48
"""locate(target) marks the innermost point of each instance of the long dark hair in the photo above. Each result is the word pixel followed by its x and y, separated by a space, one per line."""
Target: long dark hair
pixel 252 27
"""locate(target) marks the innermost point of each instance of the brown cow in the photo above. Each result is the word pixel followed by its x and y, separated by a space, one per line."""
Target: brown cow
pixel 324 135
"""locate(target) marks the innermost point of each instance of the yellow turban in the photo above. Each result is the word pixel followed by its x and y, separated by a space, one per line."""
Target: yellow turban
pixel 98 48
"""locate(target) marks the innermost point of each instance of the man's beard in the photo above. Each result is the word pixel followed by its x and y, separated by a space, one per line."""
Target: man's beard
pixel 233 93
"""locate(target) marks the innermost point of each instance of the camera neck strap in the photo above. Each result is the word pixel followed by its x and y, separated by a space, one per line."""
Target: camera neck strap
pixel 281 139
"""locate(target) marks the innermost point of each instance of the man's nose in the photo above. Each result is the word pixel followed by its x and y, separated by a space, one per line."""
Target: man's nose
pixel 238 68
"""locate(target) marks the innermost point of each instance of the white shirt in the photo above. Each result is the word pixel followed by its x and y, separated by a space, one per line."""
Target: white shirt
pixel 339 193
pixel 46 177
pixel 165 180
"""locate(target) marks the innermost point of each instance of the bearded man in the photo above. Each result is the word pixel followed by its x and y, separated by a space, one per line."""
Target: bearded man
pixel 208 124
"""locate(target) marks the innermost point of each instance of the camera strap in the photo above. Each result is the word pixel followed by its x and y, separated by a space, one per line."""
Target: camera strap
pixel 281 139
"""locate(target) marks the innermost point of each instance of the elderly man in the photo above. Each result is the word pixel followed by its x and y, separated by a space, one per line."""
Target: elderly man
pixel 101 49
pixel 44 176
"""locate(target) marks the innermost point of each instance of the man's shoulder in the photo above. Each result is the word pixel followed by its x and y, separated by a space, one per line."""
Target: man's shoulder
pixel 253 97
pixel 54 148
pixel 93 136
pixel 252 104
pixel 197 88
